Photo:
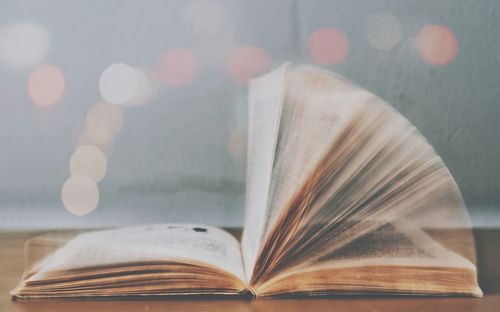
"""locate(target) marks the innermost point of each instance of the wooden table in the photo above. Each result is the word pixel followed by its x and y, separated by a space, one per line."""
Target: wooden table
pixel 488 250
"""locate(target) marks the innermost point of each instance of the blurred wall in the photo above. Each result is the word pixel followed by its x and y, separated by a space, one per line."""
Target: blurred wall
pixel 179 155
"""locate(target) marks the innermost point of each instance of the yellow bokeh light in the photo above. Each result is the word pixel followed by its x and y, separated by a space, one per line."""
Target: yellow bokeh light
pixel 80 195
pixel 104 115
pixel 383 30
pixel 99 137
pixel 89 161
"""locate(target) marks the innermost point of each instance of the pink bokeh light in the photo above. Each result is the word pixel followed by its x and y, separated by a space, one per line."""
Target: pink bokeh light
pixel 247 62
pixel 178 67
pixel 437 44
pixel 328 46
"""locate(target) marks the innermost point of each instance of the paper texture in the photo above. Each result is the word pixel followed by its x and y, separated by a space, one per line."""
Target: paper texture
pixel 174 242
pixel 264 109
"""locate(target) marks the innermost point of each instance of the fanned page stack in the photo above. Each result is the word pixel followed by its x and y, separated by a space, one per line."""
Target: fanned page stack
pixel 344 196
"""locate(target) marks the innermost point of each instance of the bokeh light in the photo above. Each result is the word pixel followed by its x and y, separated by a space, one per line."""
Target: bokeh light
pixel 99 137
pixel 23 44
pixel 119 83
pixel 106 116
pixel 383 30
pixel 145 91
pixel 247 62
pixel 90 161
pixel 204 18
pixel 80 195
pixel 328 46
pixel 178 67
pixel 208 30
pixel 437 44
pixel 46 85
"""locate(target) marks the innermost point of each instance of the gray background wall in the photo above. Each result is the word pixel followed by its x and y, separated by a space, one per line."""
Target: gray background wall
pixel 171 162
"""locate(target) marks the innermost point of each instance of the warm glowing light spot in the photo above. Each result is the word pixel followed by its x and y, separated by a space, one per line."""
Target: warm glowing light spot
pixel 145 91
pixel 100 137
pixel 328 46
pixel 437 44
pixel 46 85
pixel 80 195
pixel 237 144
pixel 383 31
pixel 204 18
pixel 178 67
pixel 23 44
pixel 106 116
pixel 245 63
pixel 119 83
pixel 88 160
pixel 208 30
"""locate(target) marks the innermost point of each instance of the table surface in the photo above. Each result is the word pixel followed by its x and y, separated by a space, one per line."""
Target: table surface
pixel 488 252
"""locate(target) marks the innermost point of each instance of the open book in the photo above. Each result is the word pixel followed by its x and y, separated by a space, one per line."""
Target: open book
pixel 344 196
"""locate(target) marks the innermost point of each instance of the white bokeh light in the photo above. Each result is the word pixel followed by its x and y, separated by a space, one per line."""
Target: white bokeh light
pixel 383 30
pixel 80 195
pixel 23 44
pixel 119 83
pixel 90 161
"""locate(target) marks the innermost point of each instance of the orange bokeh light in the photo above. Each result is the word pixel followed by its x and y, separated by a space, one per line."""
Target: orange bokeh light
pixel 178 67
pixel 46 85
pixel 437 44
pixel 328 46
pixel 247 62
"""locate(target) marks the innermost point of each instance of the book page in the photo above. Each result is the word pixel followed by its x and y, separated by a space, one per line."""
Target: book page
pixel 309 122
pixel 397 243
pixel 265 99
pixel 345 157
pixel 185 243
pixel 398 257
